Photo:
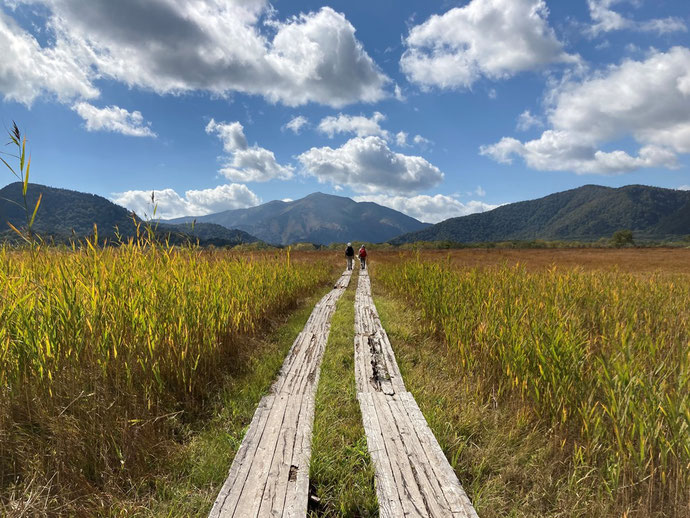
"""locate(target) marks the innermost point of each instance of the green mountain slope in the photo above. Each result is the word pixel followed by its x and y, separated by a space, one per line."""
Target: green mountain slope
pixel 318 218
pixel 586 213
pixel 64 213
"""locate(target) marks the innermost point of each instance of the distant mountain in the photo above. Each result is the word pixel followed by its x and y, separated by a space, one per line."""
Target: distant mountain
pixel 207 233
pixel 64 214
pixel 318 218
pixel 586 214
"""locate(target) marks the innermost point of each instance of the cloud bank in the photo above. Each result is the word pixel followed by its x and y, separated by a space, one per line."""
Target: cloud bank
pixel 194 202
pixel 430 209
pixel 647 100
pixel 171 47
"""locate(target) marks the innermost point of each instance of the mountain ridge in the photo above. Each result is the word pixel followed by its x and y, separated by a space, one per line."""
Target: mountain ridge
pixel 586 213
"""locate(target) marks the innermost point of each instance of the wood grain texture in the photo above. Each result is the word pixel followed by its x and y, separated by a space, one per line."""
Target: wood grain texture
pixel 375 366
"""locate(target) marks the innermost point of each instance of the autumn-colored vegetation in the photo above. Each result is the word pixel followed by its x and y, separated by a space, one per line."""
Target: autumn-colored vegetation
pixel 105 351
pixel 600 355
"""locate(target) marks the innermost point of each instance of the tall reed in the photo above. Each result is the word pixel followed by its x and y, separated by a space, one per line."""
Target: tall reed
pixel 603 357
pixel 105 351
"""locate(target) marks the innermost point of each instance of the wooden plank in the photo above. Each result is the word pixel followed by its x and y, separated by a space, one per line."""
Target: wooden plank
pixel 273 500
pixel 386 485
pixel 391 363
pixel 379 368
pixel 429 486
pixel 294 360
pixel 297 493
pixel 229 494
pixel 458 500
pixel 253 490
pixel 411 498
pixel 362 365
pixel 294 379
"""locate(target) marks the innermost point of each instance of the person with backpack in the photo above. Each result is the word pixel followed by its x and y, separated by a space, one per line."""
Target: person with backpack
pixel 363 257
pixel 350 255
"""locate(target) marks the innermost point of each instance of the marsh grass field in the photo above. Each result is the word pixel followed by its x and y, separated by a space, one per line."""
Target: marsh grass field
pixel 556 381
pixel 590 348
pixel 108 354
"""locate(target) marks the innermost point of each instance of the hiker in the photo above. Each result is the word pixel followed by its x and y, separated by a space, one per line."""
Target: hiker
pixel 363 257
pixel 350 255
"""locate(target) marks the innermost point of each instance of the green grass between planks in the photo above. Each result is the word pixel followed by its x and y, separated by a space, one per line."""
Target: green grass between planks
pixel 341 473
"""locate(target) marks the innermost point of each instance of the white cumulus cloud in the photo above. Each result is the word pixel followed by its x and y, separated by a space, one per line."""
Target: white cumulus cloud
pixel 356 124
pixel 171 46
pixel 28 70
pixel 485 38
pixel 246 163
pixel 647 100
pixel 367 164
pixel 169 204
pixel 114 119
pixel 430 209
pixel 562 151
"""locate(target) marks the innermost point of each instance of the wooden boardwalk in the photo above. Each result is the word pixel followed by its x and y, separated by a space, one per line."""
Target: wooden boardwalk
pixel 270 473
pixel 413 476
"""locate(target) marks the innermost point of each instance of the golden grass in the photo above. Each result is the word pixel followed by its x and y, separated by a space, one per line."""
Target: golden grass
pixel 600 355
pixel 633 260
pixel 104 352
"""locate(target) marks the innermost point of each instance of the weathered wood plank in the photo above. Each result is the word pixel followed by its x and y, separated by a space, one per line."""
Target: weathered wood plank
pixel 253 490
pixel 391 363
pixel 413 502
pixel 430 487
pixel 230 492
pixel 296 498
pixel 379 367
pixel 411 469
pixel 386 485
pixel 460 503
pixel 273 499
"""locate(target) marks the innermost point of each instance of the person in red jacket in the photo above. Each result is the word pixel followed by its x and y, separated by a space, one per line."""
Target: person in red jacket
pixel 363 257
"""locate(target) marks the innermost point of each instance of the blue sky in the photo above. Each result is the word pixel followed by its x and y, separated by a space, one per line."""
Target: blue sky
pixel 438 109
